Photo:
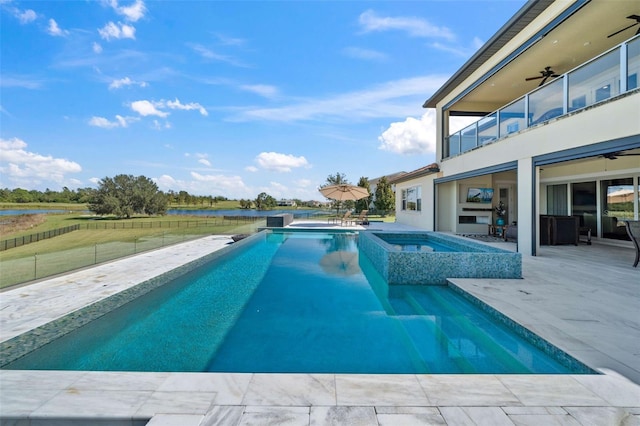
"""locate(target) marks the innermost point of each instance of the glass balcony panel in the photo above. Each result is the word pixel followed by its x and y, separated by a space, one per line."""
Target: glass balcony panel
pixel 595 81
pixel 633 64
pixel 468 138
pixel 488 129
pixel 454 144
pixel 545 103
pixel 512 118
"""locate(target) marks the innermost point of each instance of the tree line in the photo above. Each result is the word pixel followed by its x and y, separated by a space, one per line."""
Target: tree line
pixel 128 195
pixel 85 195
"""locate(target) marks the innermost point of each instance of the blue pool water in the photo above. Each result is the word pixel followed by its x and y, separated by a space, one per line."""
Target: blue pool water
pixel 294 302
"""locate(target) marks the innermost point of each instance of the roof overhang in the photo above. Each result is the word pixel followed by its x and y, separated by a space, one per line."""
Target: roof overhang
pixel 530 11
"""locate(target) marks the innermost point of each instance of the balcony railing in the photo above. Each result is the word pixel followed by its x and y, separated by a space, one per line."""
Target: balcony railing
pixel 609 74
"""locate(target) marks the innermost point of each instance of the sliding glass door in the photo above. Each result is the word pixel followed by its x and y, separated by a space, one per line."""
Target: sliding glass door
pixel 617 205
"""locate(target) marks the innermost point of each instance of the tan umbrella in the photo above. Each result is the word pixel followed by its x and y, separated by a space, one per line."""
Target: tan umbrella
pixel 340 263
pixel 344 192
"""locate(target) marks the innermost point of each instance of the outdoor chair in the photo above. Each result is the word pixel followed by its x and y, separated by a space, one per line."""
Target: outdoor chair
pixel 346 219
pixel 633 229
pixel 362 218
pixel 336 219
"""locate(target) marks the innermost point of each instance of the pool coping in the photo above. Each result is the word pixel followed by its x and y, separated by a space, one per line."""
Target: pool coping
pixel 38 395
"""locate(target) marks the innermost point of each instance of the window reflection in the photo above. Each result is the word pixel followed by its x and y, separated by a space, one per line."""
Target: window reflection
pixel 617 206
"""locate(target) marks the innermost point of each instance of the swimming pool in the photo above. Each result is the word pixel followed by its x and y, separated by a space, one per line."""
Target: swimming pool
pixel 295 302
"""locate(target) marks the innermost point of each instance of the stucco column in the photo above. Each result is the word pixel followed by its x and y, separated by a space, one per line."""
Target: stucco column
pixel 527 206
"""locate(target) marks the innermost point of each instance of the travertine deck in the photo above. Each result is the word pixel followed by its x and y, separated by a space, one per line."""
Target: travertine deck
pixel 584 299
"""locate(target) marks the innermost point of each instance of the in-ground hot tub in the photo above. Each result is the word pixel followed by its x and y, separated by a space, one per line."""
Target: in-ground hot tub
pixel 432 257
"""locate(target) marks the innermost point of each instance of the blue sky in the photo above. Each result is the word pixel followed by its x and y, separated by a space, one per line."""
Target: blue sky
pixel 229 98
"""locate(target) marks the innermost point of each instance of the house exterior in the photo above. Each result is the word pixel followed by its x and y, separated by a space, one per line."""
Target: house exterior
pixel 562 140
pixel 373 184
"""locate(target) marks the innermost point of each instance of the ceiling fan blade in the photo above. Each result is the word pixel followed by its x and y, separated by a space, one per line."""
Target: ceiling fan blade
pixel 543 80
pixel 533 78
pixel 624 29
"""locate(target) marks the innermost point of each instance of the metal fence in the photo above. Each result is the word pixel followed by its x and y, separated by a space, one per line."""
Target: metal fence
pixel 42 265
pixel 33 238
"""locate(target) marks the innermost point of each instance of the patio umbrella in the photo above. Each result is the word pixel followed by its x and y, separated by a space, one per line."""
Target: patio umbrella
pixel 344 192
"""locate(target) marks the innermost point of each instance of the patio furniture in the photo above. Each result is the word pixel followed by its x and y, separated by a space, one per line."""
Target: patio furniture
pixel 555 230
pixel 511 232
pixel 496 230
pixel 362 218
pixel 583 230
pixel 633 229
pixel 346 219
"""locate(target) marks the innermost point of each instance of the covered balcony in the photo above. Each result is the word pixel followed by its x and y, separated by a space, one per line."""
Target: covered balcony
pixel 590 60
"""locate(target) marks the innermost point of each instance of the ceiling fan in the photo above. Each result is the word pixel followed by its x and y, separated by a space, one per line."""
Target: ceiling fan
pixel 615 155
pixel 634 17
pixel 544 75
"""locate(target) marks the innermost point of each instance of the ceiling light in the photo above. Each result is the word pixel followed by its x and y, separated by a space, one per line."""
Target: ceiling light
pixel 586 43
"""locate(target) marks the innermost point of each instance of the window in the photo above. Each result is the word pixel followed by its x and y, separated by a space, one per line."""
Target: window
pixel 412 198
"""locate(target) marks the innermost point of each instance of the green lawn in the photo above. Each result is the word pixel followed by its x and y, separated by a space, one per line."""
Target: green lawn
pixel 103 239
pixel 100 240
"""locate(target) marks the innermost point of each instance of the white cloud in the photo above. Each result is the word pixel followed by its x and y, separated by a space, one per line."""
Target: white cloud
pixel 263 90
pixel 367 54
pixel 117 31
pixel 133 12
pixel 146 108
pixel 415 27
pixel 122 82
pixel 26 16
pixel 414 136
pixel 392 99
pixel 30 170
pixel 55 30
pixel 104 123
pixel 277 162
pixel 161 126
pixel 96 48
pixel 202 158
pixel 228 186
pixel 149 108
pixel 411 136
pixel 251 169
pixel 186 107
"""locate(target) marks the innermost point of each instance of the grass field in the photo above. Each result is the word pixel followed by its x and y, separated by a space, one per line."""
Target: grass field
pixel 102 239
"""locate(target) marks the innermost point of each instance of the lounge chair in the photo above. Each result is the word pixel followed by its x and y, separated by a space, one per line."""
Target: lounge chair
pixel 633 229
pixel 362 218
pixel 346 219
pixel 334 219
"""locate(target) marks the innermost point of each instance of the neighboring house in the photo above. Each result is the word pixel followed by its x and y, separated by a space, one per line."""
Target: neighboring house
pixel 373 184
pixel 286 203
pixel 562 140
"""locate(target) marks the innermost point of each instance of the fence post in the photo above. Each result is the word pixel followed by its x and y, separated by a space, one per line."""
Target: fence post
pixel 35 266
pixel 95 254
